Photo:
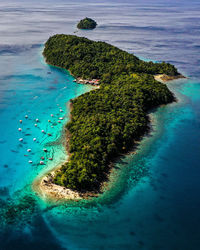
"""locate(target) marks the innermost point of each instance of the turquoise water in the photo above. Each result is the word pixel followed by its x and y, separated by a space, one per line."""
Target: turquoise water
pixel 154 201
pixel 40 91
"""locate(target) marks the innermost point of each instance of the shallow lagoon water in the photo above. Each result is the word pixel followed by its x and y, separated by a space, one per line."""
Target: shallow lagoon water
pixel 154 201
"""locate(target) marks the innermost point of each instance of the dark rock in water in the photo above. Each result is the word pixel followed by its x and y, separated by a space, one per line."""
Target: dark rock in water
pixel 5 166
pixel 14 151
pixel 48 72
pixel 4 191
pixel 2 142
pixel 132 233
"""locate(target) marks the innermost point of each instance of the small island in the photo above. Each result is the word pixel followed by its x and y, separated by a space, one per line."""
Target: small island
pixel 105 122
pixel 87 24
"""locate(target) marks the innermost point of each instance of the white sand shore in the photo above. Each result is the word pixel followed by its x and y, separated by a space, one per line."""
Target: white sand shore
pixel 166 78
pixel 47 190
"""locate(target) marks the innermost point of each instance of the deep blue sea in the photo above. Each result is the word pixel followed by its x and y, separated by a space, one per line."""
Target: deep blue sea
pixel 153 200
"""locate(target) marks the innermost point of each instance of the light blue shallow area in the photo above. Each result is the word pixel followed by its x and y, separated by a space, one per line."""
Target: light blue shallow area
pixel 39 92
pixel 153 200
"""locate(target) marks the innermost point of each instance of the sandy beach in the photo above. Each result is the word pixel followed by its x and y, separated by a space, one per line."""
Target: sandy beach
pixel 47 190
pixel 165 78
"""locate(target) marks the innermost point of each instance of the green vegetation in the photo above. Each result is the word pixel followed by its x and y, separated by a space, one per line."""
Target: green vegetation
pixel 106 121
pixel 87 23
pixel 88 59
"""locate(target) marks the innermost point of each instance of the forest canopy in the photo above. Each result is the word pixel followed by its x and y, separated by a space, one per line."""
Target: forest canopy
pixel 87 23
pixel 105 122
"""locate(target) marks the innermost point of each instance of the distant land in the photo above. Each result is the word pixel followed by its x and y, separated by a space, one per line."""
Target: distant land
pixel 87 23
pixel 107 121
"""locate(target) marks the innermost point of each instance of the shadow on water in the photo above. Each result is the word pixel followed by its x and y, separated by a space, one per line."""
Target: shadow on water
pixel 40 237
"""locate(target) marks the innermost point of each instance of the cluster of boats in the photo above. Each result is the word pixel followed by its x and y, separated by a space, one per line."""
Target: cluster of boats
pixel 42 131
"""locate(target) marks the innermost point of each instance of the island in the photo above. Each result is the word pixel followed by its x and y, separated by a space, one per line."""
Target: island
pixel 87 24
pixel 107 121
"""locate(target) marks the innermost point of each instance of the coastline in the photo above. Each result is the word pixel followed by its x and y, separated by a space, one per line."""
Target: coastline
pixel 43 185
pixel 166 78
pixel 47 190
